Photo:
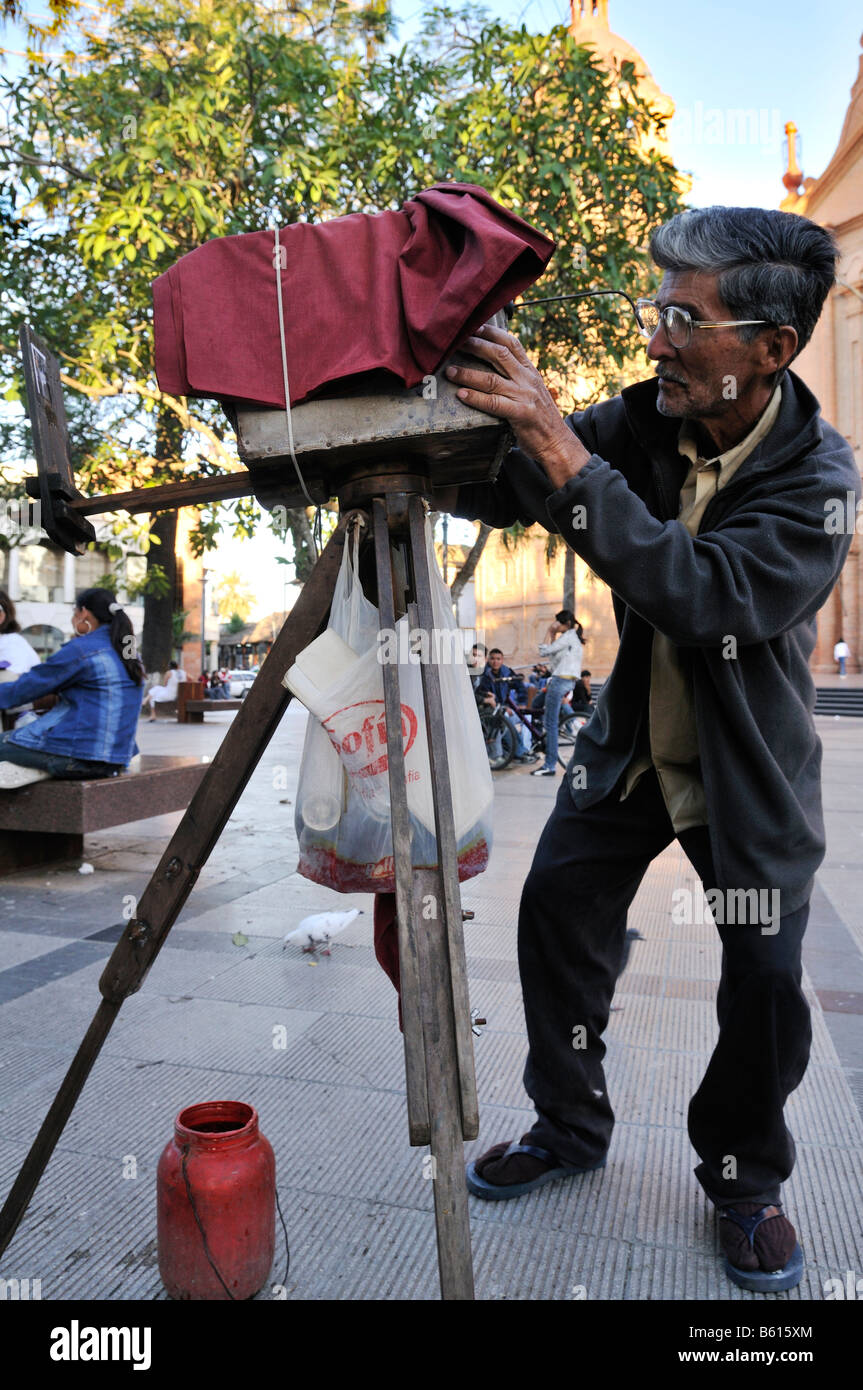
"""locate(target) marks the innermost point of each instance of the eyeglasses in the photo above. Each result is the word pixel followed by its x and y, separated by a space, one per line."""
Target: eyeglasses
pixel 678 323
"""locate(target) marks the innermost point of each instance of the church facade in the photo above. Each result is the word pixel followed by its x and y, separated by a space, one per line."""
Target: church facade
pixel 518 590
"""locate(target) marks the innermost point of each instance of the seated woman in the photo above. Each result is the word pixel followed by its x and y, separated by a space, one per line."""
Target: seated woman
pixel 90 732
pixel 16 657
pixel 162 694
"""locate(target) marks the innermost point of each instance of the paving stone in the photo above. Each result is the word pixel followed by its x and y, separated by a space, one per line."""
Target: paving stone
pixel 331 1098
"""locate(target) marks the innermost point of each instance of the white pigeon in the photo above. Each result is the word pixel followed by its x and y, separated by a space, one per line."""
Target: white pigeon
pixel 320 928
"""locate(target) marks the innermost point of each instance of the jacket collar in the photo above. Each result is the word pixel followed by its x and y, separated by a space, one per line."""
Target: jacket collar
pixel 98 634
pixel 797 428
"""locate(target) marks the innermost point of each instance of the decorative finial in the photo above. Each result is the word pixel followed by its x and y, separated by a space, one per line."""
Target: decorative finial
pixel 588 9
pixel 793 176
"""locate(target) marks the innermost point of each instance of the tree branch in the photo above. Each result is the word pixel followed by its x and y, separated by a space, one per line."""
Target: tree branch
pixel 177 405
pixel 466 572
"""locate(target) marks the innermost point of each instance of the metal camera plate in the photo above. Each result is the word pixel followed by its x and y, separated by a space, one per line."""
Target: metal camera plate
pixel 425 431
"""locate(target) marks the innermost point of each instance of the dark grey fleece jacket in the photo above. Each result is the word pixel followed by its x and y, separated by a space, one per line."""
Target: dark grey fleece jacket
pixel 761 566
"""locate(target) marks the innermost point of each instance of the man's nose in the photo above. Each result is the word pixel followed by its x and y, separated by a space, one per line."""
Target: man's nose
pixel 659 348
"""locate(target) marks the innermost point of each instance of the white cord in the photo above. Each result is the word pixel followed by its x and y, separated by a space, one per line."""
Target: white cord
pixel 277 258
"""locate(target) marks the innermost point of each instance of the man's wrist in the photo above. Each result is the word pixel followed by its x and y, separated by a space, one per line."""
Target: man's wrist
pixel 563 460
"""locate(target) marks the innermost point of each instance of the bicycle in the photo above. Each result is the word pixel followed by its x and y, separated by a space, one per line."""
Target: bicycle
pixel 499 735
pixel 501 740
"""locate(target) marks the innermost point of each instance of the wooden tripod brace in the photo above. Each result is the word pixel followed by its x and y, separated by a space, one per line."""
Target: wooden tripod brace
pixel 441 1087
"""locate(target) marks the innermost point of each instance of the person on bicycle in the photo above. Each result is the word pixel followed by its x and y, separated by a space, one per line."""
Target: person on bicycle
pixel 537 683
pixel 477 661
pixel 562 648
pixel 495 687
pixel 582 700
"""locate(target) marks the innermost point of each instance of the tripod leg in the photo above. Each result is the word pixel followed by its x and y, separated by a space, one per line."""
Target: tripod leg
pixel 445 828
pixel 443 1076
pixel 415 1069
pixel 434 988
pixel 178 870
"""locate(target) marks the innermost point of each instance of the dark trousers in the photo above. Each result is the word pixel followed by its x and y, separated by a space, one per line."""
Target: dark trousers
pixel 572 925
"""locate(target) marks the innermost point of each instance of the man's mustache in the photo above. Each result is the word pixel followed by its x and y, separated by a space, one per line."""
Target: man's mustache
pixel 669 376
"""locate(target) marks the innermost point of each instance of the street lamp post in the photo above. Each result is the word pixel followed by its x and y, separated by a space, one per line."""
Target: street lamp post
pixel 204 576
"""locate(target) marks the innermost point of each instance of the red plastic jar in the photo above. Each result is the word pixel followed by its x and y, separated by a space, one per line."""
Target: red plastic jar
pixel 231 1174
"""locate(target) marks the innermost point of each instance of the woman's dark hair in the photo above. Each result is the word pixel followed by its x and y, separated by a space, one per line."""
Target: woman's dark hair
pixel 10 622
pixel 567 616
pixel 99 602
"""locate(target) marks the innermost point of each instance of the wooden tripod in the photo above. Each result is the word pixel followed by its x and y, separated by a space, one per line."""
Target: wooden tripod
pixel 441 1088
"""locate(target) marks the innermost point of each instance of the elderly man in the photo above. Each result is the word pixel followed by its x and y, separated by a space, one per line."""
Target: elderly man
pixel 700 498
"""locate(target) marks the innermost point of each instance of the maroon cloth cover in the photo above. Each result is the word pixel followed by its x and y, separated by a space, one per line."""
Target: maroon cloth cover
pixel 394 290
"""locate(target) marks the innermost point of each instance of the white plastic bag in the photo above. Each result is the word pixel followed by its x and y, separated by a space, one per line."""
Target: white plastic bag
pixel 322 788
pixel 343 803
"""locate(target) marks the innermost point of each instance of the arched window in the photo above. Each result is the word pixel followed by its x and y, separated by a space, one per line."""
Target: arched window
pixel 43 638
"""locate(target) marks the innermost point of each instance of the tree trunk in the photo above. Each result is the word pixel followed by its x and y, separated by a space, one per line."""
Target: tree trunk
pixel 157 643
pixel 298 524
pixel 569 579
pixel 466 572
pixel 157 640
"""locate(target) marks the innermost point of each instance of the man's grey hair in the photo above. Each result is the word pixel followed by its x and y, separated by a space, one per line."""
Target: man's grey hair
pixel 771 265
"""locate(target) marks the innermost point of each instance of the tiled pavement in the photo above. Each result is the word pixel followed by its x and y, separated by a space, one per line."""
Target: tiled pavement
pixel 331 1100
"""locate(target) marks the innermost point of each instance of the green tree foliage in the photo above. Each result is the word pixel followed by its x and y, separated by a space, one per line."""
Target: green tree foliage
pixel 235 598
pixel 60 11
pixel 165 123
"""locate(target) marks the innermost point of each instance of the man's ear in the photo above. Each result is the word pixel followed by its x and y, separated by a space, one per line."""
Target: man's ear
pixel 779 346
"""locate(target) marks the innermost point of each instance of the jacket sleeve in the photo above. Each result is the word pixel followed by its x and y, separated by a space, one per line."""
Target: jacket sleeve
pixel 768 565
pixel 61 669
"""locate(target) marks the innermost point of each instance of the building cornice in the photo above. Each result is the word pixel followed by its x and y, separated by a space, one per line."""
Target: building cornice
pixel 837 167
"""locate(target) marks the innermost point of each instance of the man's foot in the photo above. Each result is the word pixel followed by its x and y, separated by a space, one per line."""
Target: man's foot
pixel 518 1168
pixel 544 772
pixel 511 1170
pixel 760 1246
pixel 774 1238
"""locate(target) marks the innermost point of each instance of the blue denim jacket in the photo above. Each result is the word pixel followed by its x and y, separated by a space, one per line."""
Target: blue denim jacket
pixel 96 714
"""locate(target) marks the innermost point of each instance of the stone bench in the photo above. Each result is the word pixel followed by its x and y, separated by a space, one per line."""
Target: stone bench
pixel 47 821
pixel 165 710
pixel 194 710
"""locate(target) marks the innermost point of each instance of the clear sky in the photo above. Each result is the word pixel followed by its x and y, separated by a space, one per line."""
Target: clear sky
pixel 785 59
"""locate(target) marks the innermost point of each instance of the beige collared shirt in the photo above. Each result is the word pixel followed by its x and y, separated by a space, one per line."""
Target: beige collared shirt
pixel 671 718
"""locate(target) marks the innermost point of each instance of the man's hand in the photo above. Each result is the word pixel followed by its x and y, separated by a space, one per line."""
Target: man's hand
pixel 516 392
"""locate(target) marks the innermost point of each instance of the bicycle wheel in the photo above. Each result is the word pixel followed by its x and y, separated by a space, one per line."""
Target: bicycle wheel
pixel 568 728
pixel 499 743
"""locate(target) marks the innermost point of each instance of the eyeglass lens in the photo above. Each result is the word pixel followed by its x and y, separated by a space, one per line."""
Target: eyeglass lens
pixel 677 323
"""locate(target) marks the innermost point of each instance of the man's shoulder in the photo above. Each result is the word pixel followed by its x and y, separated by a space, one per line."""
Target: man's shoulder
pixel 803 446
